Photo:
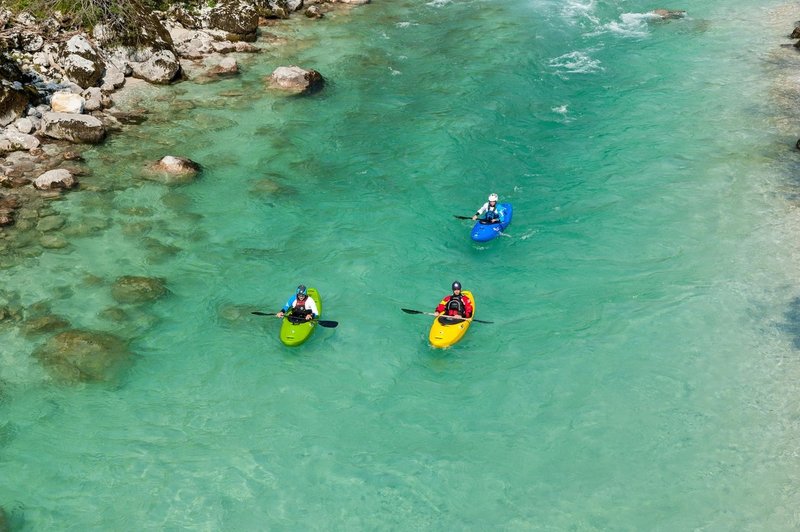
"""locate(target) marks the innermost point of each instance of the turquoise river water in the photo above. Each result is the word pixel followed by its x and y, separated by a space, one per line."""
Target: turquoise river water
pixel 642 369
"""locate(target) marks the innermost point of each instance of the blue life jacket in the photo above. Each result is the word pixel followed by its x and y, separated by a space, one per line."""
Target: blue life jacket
pixel 492 213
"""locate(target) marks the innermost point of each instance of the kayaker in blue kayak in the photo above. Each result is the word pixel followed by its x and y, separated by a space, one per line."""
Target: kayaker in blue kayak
pixel 455 304
pixel 300 305
pixel 490 212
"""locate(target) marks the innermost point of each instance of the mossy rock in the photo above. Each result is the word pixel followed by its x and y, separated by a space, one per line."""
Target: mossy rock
pixel 44 324
pixel 80 355
pixel 137 289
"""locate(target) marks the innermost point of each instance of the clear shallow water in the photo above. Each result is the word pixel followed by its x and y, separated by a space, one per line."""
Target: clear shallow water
pixel 649 380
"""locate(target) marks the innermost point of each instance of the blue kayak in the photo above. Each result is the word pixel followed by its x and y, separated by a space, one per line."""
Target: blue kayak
pixel 483 232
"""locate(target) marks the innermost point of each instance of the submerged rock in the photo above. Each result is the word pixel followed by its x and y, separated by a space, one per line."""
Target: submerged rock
pixel 81 355
pixel 173 170
pixel 295 79
pixel 226 67
pixel 136 289
pixel 45 324
pixel 667 14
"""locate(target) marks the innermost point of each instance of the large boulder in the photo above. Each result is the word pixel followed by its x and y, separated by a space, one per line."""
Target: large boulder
pixel 137 289
pixel 13 141
pixel 295 79
pixel 171 170
pixel 14 97
pixel 238 17
pixel 278 8
pixel 146 51
pixel 60 178
pixel 79 355
pixel 191 43
pixel 67 102
pixel 73 127
pixel 226 67
pixel 81 62
pixel 667 14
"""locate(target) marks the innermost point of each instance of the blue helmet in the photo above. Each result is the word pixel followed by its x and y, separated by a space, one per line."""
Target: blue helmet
pixel 301 290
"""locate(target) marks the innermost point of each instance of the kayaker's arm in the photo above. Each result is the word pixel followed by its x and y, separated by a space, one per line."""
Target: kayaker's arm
pixel 289 304
pixel 312 306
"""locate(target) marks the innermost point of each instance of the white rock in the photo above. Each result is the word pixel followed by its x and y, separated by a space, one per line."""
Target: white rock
pixel 94 99
pixel 77 44
pixel 161 67
pixel 113 79
pixel 73 127
pixel 59 178
pixel 24 125
pixel 14 140
pixel 67 102
pixel 41 59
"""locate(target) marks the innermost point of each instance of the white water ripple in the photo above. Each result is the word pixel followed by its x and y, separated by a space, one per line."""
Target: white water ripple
pixel 575 63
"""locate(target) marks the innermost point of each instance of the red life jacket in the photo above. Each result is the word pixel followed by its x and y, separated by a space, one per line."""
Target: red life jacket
pixel 455 306
pixel 300 305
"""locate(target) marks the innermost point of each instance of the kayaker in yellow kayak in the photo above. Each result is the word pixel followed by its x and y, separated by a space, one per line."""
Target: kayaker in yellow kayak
pixel 457 304
pixel 300 306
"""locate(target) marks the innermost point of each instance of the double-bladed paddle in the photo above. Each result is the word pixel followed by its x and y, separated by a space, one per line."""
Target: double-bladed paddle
pixel 323 323
pixel 462 217
pixel 410 311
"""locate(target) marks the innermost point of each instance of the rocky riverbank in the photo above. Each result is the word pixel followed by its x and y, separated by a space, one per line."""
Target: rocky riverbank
pixel 58 83
pixel 62 89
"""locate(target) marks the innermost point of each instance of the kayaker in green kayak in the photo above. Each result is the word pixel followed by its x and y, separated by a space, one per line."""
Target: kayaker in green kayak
pixel 300 306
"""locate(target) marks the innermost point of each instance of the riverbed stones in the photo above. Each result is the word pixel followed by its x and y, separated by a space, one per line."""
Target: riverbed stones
pixel 44 324
pixel 79 355
pixel 138 289
pixel 50 223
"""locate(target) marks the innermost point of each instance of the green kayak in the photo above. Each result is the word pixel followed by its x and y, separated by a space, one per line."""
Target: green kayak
pixel 295 332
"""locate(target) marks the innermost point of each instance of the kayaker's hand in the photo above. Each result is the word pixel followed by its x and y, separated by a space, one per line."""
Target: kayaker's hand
pixel 280 314
pixel 308 317
pixel 474 217
pixel 437 313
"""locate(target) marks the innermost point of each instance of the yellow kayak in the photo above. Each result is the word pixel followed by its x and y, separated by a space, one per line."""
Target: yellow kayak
pixel 447 331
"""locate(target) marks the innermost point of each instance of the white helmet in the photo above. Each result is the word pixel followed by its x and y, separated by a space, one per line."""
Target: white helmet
pixel 492 197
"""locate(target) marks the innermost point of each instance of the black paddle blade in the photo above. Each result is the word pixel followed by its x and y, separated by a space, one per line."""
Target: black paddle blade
pixel 328 323
pixel 462 217
pixel 259 313
pixel 409 311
